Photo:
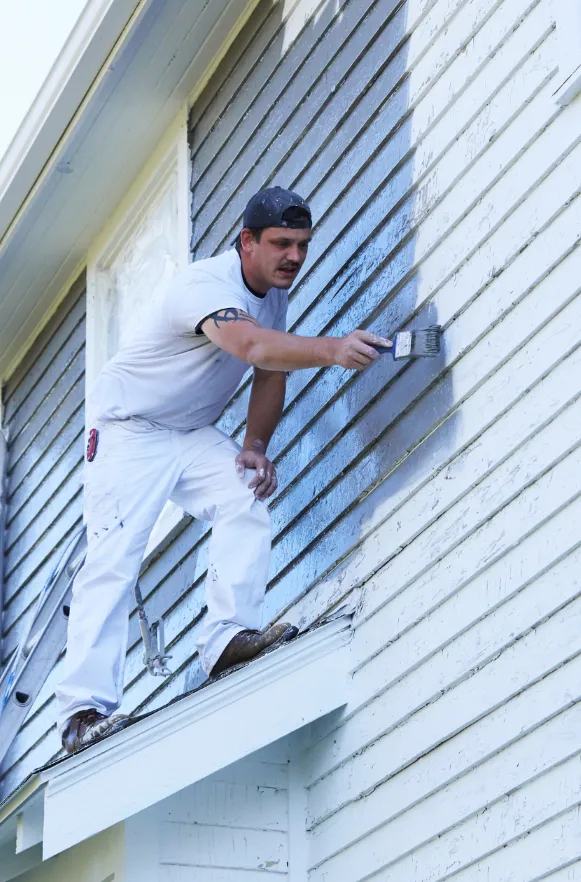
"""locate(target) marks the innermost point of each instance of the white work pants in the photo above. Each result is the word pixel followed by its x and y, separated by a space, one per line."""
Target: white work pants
pixel 137 468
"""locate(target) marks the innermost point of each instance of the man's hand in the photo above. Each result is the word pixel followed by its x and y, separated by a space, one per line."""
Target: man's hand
pixel 355 351
pixel 265 481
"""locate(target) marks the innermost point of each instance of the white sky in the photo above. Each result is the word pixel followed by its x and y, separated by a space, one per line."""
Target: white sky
pixel 32 33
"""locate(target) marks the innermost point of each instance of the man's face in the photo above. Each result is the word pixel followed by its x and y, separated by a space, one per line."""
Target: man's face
pixel 275 261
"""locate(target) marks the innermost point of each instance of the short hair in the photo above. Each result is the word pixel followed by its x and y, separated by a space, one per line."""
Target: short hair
pixel 256 234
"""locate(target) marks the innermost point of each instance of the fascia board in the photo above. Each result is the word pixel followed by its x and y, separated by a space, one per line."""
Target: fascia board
pixel 85 52
pixel 29 794
pixel 196 736
pixel 17 800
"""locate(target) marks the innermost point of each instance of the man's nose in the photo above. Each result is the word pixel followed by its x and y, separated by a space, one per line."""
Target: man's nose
pixel 293 254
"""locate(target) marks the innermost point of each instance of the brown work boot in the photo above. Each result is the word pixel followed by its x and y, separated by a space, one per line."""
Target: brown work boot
pixel 87 726
pixel 248 644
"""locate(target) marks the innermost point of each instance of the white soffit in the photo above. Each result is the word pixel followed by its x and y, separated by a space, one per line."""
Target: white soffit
pixel 85 51
pixel 196 736
pixel 90 134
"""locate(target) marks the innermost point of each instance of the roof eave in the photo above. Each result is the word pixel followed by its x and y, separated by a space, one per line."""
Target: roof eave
pixel 98 29
pixel 158 754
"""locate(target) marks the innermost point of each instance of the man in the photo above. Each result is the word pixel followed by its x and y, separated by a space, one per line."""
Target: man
pixel 151 438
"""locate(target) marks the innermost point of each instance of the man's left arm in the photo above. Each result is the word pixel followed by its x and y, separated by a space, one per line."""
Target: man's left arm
pixel 264 412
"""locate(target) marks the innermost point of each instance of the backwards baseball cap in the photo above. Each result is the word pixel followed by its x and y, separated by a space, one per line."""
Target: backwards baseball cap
pixel 277 207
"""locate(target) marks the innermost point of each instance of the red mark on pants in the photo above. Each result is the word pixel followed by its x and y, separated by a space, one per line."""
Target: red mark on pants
pixel 92 444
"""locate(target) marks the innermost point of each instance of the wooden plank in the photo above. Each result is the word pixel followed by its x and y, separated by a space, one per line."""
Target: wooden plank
pixel 438 770
pixel 250 44
pixel 363 254
pixel 317 319
pixel 19 517
pixel 486 810
pixel 571 872
pixel 185 612
pixel 357 527
pixel 531 858
pixel 26 566
pixel 52 338
pixel 498 826
pixel 489 543
pixel 264 36
pixel 41 420
pixel 276 68
pixel 239 848
pixel 413 729
pixel 55 438
pixel 430 613
pixel 486 41
pixel 454 662
pixel 254 799
pixel 432 121
pixel 20 545
pixel 214 874
pixel 363 34
pixel 27 581
pixel 62 360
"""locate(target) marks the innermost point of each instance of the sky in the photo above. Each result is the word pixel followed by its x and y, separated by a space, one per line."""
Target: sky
pixel 32 33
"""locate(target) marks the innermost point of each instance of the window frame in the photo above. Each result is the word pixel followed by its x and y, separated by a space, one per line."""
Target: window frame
pixel 170 163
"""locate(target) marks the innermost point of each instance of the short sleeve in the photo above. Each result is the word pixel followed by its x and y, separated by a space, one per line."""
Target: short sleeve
pixel 195 296
pixel 279 323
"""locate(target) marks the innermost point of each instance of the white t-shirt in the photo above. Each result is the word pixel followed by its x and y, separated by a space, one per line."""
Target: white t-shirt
pixel 170 374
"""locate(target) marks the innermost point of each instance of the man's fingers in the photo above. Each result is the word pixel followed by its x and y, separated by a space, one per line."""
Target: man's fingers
pixel 259 478
pixel 268 487
pixel 256 480
pixel 364 355
pixel 373 339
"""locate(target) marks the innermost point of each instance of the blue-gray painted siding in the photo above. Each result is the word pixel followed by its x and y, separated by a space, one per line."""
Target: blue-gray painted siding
pixel 321 115
pixel 44 422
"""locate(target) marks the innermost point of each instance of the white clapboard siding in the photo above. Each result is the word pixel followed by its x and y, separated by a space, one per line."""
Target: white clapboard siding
pixel 529 711
pixel 434 834
pixel 232 825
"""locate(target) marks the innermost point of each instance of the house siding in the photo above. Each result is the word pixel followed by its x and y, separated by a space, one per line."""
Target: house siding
pixel 440 496
pixel 44 421
pixel 231 827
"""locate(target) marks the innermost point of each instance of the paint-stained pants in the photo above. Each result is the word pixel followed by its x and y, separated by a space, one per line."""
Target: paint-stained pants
pixel 136 470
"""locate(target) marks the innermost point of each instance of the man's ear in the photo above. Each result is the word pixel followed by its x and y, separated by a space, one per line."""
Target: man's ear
pixel 246 239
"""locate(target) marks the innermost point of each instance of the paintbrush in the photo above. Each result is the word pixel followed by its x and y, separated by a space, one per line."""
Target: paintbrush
pixel 424 343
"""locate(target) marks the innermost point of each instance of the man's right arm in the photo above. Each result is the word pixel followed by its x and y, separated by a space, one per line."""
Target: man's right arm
pixel 242 336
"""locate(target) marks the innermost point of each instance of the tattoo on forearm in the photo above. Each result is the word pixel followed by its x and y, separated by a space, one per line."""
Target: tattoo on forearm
pixel 232 315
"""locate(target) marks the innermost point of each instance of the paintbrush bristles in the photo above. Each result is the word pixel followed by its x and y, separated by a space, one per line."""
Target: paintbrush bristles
pixel 417 344
pixel 426 342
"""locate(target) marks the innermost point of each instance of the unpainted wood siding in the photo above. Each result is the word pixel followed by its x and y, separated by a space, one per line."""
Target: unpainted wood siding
pixel 44 420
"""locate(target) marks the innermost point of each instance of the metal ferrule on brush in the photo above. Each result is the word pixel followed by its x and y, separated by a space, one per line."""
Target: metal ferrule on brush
pixel 402 344
pixel 424 343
